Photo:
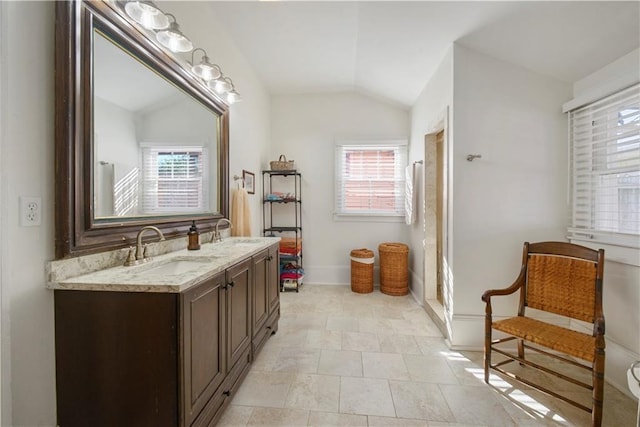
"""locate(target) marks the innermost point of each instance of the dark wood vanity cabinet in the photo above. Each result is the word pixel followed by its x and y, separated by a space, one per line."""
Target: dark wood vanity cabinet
pixel 159 359
pixel 266 296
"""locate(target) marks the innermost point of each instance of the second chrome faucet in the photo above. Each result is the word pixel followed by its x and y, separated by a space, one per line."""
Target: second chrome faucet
pixel 216 236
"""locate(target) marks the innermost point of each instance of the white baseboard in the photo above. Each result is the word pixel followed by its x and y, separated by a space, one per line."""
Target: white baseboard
pixel 416 287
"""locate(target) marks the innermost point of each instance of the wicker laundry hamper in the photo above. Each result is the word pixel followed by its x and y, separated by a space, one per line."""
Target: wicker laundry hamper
pixel 394 271
pixel 362 271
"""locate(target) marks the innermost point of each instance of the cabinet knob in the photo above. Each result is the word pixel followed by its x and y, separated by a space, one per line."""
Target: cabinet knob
pixel 227 393
pixel 269 258
pixel 231 284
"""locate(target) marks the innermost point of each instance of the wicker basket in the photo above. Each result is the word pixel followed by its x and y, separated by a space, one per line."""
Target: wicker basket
pixel 282 164
pixel 394 272
pixel 362 271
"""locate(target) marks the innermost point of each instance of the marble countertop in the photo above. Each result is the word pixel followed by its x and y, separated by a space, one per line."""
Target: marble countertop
pixel 172 272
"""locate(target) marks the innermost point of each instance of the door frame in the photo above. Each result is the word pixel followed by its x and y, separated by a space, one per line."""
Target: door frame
pixel 432 305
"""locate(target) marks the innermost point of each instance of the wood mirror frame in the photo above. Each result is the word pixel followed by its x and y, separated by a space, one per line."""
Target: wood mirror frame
pixel 77 232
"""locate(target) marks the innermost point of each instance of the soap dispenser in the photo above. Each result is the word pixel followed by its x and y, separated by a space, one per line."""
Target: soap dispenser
pixel 194 238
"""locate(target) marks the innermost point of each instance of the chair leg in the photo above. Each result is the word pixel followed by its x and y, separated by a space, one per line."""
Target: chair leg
pixel 487 350
pixel 598 388
pixel 521 350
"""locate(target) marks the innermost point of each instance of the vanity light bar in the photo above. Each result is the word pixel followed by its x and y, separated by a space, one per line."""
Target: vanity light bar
pixel 168 34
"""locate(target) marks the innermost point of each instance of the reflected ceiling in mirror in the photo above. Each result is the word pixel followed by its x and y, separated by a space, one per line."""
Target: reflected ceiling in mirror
pixel 155 147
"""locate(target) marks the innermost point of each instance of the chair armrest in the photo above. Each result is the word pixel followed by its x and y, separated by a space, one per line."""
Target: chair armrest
pixel 486 297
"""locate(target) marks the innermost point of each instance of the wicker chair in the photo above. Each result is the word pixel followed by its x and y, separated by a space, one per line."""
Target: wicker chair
pixel 564 279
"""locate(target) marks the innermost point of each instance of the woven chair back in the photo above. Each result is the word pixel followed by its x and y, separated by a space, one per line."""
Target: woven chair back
pixel 562 285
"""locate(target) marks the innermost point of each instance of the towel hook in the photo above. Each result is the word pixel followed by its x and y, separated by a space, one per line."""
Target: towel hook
pixel 239 178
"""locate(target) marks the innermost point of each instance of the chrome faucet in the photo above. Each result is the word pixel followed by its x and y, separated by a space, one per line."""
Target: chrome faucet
pixel 140 255
pixel 216 236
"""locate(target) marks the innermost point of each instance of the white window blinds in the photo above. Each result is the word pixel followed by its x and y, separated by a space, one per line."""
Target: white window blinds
pixel 370 178
pixel 174 179
pixel 605 170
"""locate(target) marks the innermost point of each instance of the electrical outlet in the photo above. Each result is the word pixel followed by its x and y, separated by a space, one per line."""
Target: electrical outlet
pixel 30 211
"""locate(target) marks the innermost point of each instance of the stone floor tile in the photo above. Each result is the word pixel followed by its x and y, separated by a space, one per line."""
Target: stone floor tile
pixel 314 392
pixel 268 389
pixel 278 417
pixel 420 400
pixel 474 405
pixel 384 365
pixel 235 416
pixel 360 341
pixel 340 362
pixel 330 419
pixel 366 396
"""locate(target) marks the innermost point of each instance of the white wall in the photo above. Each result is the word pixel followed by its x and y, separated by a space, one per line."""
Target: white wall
pixel 116 144
pixel 432 106
pixel 516 192
pixel 621 297
pixel 27 151
pixel 250 119
pixel 27 155
pixel 305 128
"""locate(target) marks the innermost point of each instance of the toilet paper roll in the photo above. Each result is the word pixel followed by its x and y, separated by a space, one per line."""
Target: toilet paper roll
pixel 633 377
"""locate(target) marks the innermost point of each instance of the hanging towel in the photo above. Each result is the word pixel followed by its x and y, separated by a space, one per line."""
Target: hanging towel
pixel 240 213
pixel 411 194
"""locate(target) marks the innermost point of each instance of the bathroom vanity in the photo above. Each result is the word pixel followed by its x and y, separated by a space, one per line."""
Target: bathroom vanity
pixel 165 343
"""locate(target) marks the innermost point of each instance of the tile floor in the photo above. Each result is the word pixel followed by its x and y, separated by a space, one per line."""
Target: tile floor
pixel 345 359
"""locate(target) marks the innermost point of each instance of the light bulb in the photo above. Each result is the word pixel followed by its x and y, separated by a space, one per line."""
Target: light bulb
pixel 147 14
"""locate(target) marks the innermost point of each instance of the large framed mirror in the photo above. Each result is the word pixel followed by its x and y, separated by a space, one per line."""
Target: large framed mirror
pixel 139 139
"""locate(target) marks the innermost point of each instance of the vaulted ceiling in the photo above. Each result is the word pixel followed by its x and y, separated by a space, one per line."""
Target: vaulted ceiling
pixel 390 49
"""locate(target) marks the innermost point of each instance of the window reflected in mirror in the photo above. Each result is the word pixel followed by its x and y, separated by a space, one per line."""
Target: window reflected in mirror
pixel 156 148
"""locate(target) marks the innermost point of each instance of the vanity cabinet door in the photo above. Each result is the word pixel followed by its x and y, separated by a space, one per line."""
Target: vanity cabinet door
pixel 203 342
pixel 261 271
pixel 273 284
pixel 239 281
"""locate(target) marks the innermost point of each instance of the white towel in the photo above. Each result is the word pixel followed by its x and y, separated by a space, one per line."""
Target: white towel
pixel 411 195
pixel 240 213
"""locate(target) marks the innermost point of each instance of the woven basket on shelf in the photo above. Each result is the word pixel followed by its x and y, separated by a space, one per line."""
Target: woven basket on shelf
pixel 282 164
pixel 362 271
pixel 394 272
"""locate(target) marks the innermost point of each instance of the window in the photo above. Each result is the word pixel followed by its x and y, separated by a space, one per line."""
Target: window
pixel 174 179
pixel 605 172
pixel 370 178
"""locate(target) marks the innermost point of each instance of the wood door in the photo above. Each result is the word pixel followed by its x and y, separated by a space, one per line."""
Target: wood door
pixel 238 311
pixel 203 341
pixel 260 291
